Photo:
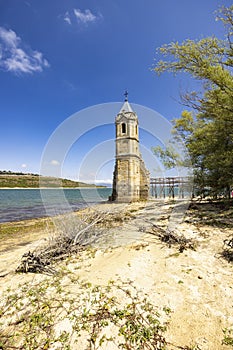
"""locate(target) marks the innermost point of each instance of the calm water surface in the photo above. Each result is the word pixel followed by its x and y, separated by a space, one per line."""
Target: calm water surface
pixel 21 204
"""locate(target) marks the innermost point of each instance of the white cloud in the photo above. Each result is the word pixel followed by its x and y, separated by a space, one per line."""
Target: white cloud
pixel 54 162
pixel 86 16
pixel 9 36
pixel 14 58
pixel 67 18
pixel 23 166
pixel 83 17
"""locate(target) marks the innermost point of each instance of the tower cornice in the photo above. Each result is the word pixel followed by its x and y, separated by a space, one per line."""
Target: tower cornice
pixel 126 156
pixel 126 138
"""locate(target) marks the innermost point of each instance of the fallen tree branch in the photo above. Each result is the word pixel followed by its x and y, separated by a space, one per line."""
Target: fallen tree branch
pixel 86 229
pixel 171 238
pixel 227 252
pixel 33 263
pixel 75 233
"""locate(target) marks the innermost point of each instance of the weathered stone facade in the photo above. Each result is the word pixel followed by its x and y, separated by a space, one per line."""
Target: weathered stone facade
pixel 130 178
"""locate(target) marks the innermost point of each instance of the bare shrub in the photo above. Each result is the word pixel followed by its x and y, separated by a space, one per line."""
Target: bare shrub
pixel 74 233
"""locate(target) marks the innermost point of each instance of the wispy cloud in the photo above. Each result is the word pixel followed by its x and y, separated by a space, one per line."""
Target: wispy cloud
pixel 68 85
pixel 55 162
pixel 17 59
pixel 82 17
pixel 67 18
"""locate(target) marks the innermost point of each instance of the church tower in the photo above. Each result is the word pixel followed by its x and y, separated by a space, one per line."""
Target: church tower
pixel 130 178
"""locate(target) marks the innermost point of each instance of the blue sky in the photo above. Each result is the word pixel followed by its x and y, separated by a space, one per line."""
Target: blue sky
pixel 58 57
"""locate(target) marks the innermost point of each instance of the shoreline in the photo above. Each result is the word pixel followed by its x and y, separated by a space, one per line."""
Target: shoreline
pixel 15 234
pixel 44 217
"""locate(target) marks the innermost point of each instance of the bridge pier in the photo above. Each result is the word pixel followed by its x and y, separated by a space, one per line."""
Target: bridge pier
pixel 171 187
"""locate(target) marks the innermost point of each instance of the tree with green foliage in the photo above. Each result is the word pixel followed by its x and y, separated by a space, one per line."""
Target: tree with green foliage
pixel 207 127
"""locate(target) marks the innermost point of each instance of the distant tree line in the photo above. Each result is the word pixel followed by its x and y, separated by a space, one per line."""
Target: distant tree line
pixel 8 172
pixel 206 127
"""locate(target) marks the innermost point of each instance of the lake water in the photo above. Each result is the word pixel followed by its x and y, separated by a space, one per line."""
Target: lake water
pixel 21 204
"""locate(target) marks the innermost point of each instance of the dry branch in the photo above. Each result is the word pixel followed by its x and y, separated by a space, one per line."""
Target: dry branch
pixel 74 234
pixel 171 238
pixel 227 252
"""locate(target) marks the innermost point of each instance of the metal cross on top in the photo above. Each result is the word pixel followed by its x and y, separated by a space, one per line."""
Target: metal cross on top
pixel 126 95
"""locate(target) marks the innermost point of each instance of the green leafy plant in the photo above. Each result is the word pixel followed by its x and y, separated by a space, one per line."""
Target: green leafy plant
pixel 206 126
pixel 34 316
pixel 228 337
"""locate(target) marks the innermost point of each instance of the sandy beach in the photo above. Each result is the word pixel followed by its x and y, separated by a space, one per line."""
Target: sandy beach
pixel 195 285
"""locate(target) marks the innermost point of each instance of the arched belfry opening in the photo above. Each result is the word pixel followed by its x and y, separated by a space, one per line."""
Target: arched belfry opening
pixel 130 178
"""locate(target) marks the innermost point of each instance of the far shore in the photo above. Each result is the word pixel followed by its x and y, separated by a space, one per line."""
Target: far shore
pixel 51 188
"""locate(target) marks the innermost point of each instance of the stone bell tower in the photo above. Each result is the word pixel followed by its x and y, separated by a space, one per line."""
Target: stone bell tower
pixel 130 178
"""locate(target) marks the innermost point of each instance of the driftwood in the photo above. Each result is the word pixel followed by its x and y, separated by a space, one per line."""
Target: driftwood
pixel 228 243
pixel 41 261
pixel 171 238
pixel 30 262
pixel 227 252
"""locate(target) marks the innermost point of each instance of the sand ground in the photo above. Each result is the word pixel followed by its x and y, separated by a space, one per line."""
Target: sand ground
pixel 196 284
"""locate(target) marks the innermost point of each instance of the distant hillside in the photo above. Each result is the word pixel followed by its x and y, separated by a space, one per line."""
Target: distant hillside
pixel 12 180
